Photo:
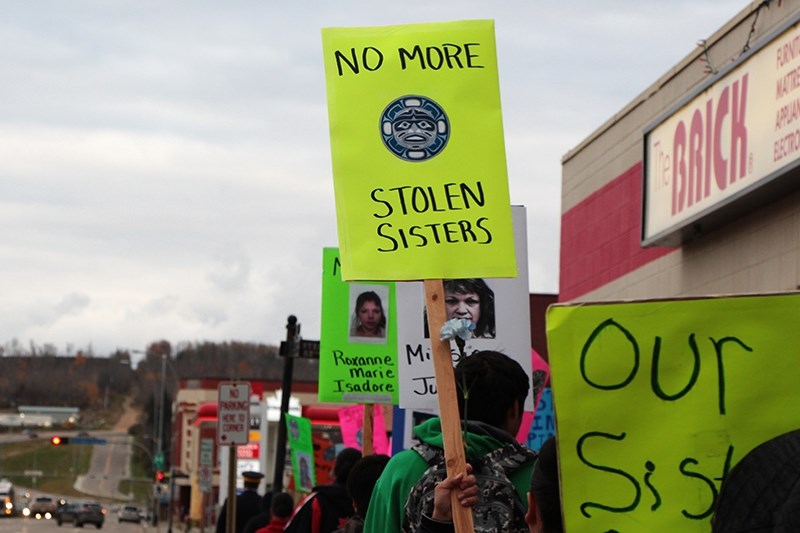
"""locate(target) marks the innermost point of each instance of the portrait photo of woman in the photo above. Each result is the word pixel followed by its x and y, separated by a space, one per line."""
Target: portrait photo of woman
pixel 304 461
pixel 470 298
pixel 368 320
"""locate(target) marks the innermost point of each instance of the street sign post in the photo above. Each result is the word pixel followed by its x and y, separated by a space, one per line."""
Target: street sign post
pixel 158 461
pixel 233 415
pixel 205 478
pixel 206 473
pixel 233 428
pixel 87 440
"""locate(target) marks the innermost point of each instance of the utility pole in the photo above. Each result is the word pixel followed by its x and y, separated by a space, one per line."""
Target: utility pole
pixel 173 475
pixel 160 429
pixel 159 434
pixel 288 351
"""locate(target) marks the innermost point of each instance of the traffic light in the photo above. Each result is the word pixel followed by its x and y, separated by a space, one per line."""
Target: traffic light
pixel 57 440
pixel 159 476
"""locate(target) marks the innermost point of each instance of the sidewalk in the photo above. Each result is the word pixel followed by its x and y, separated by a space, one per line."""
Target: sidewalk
pixel 176 528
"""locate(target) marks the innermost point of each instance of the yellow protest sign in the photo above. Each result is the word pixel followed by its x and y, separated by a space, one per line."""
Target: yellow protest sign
pixel 419 166
pixel 656 401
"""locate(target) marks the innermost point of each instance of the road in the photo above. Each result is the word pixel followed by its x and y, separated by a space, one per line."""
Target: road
pixel 27 525
pixel 111 525
pixel 110 464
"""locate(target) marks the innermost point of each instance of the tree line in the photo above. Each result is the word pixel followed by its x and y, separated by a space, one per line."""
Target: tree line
pixel 99 385
pixel 86 381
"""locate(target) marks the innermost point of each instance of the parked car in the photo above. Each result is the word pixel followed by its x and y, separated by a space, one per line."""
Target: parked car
pixel 81 513
pixel 130 513
pixel 43 507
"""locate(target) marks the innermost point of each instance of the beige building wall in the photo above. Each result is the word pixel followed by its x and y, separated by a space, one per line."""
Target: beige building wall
pixel 758 253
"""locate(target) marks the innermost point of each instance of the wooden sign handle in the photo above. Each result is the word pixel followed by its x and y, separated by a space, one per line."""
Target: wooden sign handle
pixel 366 434
pixel 454 453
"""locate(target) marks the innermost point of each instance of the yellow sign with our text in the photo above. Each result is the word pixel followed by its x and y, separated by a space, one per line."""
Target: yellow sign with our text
pixel 656 401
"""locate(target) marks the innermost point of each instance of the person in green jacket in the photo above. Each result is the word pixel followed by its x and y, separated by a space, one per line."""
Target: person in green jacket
pixel 544 498
pixel 498 387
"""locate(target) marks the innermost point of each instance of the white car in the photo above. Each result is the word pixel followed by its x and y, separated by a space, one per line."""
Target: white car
pixel 43 507
pixel 130 513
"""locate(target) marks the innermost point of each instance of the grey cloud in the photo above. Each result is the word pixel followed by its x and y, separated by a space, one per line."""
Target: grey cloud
pixel 71 304
pixel 138 135
pixel 209 315
pixel 162 305
pixel 230 273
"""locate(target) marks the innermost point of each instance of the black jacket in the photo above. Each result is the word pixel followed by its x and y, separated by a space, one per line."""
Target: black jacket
pixel 248 504
pixel 331 506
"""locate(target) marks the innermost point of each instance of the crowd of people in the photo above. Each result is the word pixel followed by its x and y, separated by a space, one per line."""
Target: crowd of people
pixel 506 487
pixel 411 490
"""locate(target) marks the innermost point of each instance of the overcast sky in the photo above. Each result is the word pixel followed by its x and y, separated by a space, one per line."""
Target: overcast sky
pixel 165 165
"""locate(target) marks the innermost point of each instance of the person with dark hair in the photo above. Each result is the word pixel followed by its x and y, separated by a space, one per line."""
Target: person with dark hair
pixel 369 320
pixel 261 519
pixel 362 479
pixel 328 507
pixel 281 509
pixel 248 503
pixel 491 412
pixel 544 499
pixel 762 491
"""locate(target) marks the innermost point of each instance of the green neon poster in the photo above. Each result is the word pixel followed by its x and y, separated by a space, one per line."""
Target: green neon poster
pixel 358 340
pixel 298 431
pixel 656 401
pixel 419 168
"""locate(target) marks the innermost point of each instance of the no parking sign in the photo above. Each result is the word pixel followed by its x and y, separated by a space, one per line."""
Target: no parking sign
pixel 233 418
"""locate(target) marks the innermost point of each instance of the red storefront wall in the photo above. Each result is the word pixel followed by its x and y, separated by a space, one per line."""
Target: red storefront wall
pixel 600 237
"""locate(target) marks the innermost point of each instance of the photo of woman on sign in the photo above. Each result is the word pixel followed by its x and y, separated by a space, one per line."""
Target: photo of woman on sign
pixel 469 298
pixel 304 460
pixel 369 317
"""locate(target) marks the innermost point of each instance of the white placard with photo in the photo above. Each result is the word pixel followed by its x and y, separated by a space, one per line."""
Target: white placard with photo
pixel 499 306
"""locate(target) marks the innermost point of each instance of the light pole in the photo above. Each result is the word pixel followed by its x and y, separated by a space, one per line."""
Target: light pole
pixel 158 454
pixel 288 352
pixel 161 406
pixel 156 408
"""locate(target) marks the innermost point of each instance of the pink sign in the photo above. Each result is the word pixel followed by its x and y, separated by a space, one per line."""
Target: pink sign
pixel 540 375
pixel 247 451
pixel 351 421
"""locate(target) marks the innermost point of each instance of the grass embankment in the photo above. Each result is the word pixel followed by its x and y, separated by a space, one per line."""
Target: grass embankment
pixel 60 465
pixel 142 485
